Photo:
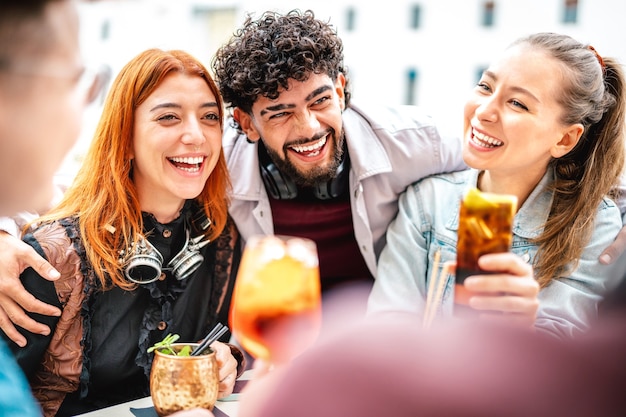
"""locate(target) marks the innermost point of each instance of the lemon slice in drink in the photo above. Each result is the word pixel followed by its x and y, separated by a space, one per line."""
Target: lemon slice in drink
pixel 480 200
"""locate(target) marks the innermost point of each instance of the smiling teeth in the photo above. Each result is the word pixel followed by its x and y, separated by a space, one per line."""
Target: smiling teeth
pixel 309 148
pixel 188 160
pixel 484 140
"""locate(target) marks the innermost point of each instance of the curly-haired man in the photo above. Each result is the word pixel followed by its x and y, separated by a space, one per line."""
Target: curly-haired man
pixel 314 164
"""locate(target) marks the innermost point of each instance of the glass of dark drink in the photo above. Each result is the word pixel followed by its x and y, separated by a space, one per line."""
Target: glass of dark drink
pixel 485 226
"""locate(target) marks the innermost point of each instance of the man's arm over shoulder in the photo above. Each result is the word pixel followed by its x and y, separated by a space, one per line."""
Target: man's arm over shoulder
pixel 29 357
pixel 16 257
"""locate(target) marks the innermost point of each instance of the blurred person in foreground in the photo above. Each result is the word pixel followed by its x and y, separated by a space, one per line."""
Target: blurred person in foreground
pixel 44 87
pixel 545 123
pixel 142 240
pixel 455 369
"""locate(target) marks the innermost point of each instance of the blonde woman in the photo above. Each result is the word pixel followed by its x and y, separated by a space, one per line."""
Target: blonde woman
pixel 545 123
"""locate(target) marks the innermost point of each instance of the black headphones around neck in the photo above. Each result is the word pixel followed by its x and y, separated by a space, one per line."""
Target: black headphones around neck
pixel 282 187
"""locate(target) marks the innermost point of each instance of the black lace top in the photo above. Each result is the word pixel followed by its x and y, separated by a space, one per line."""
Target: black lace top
pixel 119 326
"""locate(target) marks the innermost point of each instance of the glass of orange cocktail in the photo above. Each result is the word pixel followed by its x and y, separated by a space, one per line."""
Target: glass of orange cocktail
pixel 276 307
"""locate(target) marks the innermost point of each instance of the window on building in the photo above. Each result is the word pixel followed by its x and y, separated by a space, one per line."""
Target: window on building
pixel 350 19
pixel 479 74
pixel 488 13
pixel 570 14
pixel 412 77
pixel 105 30
pixel 415 14
pixel 211 26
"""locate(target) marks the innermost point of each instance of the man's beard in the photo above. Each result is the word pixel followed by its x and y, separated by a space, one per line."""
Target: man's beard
pixel 315 176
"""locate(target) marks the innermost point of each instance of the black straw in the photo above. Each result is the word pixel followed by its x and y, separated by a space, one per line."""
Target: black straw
pixel 213 335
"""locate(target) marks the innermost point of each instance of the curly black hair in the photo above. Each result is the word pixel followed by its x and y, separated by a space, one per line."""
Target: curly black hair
pixel 266 53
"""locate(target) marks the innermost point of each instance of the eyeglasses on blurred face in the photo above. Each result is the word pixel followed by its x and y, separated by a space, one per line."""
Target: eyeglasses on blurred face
pixel 90 81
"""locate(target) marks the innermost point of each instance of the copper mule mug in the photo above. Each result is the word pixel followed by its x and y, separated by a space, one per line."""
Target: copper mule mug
pixel 183 382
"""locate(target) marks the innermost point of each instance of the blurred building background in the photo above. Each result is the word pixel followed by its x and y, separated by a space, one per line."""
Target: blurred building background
pixel 424 52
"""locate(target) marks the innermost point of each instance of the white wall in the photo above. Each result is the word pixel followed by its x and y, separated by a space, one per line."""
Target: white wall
pixel 447 50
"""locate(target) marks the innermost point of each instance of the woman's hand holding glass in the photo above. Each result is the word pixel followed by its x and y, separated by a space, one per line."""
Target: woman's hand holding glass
pixel 227 365
pixel 510 288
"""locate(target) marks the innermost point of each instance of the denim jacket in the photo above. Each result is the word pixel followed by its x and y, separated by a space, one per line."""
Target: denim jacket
pixel 428 221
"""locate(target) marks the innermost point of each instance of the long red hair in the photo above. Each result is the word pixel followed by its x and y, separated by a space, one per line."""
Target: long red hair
pixel 103 193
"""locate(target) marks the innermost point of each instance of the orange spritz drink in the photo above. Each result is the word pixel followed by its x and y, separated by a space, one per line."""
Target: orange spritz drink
pixel 276 308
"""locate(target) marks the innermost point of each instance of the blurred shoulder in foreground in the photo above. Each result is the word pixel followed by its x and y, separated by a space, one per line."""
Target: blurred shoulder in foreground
pixel 394 368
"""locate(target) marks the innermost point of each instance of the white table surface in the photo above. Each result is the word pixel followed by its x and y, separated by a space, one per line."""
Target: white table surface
pixel 228 405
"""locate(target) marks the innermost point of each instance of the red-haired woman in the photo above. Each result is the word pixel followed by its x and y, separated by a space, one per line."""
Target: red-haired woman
pixel 142 240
